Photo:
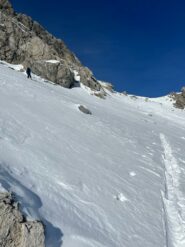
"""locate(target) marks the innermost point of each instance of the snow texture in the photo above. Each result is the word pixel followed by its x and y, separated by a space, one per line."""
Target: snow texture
pixel 111 179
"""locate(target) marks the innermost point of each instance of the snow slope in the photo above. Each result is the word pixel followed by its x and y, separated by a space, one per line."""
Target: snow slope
pixel 111 179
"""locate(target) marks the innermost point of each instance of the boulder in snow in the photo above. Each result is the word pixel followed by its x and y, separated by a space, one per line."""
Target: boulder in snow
pixel 84 110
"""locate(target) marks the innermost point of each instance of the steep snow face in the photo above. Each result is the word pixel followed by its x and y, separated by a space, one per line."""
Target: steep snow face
pixel 111 179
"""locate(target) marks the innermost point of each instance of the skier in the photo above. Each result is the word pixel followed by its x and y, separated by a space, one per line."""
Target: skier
pixel 28 72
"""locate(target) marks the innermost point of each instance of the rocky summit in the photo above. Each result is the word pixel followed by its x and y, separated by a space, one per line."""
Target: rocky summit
pixel 24 41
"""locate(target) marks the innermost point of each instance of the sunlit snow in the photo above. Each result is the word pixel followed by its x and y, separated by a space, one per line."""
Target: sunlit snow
pixel 111 179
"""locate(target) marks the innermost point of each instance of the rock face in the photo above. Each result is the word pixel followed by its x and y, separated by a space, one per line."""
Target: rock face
pixel 6 7
pixel 15 231
pixel 179 99
pixel 24 41
pixel 183 91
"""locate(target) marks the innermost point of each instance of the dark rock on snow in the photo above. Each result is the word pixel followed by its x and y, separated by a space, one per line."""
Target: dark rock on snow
pixel 84 110
pixel 179 99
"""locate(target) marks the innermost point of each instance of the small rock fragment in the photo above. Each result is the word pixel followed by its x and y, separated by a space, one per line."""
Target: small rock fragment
pixel 84 110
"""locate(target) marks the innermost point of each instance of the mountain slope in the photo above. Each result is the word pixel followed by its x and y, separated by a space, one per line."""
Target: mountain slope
pixel 113 178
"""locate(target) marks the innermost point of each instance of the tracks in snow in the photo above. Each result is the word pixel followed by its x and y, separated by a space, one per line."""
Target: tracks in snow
pixel 173 199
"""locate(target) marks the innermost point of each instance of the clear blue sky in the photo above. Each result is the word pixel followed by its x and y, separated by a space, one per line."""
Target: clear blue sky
pixel 139 46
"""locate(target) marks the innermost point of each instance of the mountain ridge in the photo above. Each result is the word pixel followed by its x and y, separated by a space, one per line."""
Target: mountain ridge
pixel 24 41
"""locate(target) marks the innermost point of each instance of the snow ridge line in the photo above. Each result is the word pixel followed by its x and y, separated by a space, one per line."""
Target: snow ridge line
pixel 172 198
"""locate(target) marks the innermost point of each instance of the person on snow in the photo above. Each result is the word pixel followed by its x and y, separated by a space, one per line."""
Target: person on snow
pixel 28 72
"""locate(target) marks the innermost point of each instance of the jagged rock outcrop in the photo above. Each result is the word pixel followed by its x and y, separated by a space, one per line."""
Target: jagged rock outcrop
pixel 107 86
pixel 179 99
pixel 6 7
pixel 15 231
pixel 24 41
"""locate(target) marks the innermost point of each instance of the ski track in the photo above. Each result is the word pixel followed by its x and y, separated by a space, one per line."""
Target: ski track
pixel 173 199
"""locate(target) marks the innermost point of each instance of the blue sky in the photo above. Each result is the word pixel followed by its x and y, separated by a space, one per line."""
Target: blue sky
pixel 139 46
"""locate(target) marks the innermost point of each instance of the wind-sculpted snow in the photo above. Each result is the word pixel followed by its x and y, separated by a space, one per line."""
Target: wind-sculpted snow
pixel 95 180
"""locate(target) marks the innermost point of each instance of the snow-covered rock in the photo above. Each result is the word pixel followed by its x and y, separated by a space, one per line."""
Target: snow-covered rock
pixel 179 99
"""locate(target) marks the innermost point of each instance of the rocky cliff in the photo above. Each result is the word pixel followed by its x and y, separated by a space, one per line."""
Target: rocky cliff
pixel 24 41
pixel 15 231
pixel 179 99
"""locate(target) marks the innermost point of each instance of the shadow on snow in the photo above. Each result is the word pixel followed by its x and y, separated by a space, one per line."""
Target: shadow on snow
pixel 30 205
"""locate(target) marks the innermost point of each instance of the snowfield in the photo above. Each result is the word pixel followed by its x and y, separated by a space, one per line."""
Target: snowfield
pixel 115 178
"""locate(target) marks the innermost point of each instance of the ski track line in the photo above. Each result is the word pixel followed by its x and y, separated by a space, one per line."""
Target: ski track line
pixel 172 198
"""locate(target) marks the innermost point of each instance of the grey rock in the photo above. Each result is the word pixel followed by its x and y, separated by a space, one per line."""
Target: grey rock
pixel 180 102
pixel 32 234
pixel 183 91
pixel 6 7
pixel 84 110
pixel 24 41
pixel 15 231
pixel 179 99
